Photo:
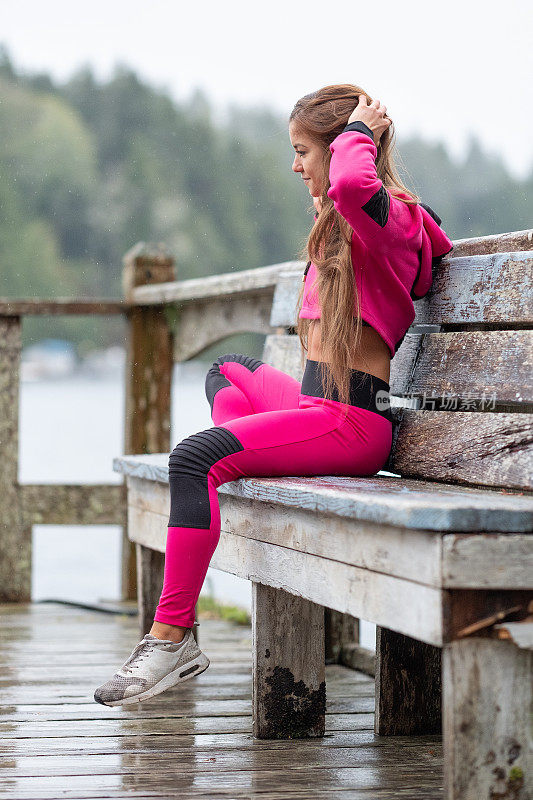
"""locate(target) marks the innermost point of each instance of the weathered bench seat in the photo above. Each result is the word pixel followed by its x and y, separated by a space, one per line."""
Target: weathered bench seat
pixel 364 546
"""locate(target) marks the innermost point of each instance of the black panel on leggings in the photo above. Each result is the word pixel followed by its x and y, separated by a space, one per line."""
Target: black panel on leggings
pixel 215 379
pixel 188 465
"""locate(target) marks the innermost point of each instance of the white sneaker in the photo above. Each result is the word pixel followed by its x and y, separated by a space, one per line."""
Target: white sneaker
pixel 154 666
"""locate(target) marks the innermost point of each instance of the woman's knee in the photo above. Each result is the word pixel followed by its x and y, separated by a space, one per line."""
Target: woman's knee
pixel 188 467
pixel 249 362
pixel 196 454
pixel 215 378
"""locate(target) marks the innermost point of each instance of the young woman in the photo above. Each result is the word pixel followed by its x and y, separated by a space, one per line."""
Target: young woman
pixel 371 251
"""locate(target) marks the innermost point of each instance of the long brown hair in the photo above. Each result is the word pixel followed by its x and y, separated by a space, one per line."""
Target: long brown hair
pixel 321 116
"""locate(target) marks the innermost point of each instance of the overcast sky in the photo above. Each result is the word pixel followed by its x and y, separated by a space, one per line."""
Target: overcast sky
pixel 444 70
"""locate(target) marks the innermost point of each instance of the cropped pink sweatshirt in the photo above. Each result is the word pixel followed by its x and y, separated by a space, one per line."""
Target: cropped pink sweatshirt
pixel 394 247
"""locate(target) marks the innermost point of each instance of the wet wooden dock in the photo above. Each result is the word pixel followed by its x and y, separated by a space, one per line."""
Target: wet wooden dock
pixel 194 741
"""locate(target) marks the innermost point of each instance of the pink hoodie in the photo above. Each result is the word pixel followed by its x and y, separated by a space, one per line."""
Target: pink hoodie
pixel 394 244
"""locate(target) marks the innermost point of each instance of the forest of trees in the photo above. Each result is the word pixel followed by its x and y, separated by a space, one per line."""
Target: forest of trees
pixel 88 169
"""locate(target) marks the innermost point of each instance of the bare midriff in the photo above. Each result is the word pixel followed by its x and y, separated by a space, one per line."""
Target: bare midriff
pixel 372 356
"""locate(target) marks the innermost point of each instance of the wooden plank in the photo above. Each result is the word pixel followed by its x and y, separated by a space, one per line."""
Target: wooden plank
pixel 212 286
pixel 402 552
pixel 408 685
pixel 459 369
pixel 288 758
pixel 489 560
pixel 227 678
pixel 226 742
pixel 15 535
pixel 288 682
pixel 136 726
pixel 494 288
pixel 487 697
pixel 376 782
pixel 352 590
pixel 396 501
pixel 30 306
pixel 467 561
pixel 494 243
pixel 78 671
pixel 493 450
pixel 73 504
pixel 381 499
pixel 471 561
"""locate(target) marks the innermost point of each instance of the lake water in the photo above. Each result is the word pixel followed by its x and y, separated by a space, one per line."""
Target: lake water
pixel 70 431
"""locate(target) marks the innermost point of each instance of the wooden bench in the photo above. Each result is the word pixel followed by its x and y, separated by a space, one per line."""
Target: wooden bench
pixel 436 550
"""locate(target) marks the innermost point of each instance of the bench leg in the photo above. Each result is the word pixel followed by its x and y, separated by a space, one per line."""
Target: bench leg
pixel 408 685
pixel 487 697
pixel 342 643
pixel 289 677
pixel 150 573
pixel 341 630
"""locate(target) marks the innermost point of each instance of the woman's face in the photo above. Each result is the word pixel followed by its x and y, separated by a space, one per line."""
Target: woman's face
pixel 308 160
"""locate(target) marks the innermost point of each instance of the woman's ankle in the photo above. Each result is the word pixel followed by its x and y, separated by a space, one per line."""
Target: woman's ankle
pixel 162 630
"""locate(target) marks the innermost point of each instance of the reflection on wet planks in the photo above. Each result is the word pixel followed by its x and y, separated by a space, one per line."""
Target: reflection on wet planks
pixel 194 741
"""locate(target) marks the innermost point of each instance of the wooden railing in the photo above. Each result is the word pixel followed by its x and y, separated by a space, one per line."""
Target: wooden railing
pixel 167 321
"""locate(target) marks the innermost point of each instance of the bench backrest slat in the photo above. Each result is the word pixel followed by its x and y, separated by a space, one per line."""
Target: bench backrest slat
pixel 474 364
pixel 465 447
pixel 495 288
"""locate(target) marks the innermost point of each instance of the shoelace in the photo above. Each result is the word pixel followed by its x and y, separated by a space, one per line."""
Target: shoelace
pixel 140 651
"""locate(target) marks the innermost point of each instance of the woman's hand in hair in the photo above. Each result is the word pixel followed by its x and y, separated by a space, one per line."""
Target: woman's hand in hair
pixel 373 115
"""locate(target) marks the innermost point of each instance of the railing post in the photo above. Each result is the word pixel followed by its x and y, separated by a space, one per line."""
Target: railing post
pixel 15 536
pixel 148 375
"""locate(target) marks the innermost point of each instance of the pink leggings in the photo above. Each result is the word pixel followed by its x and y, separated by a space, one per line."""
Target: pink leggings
pixel 266 424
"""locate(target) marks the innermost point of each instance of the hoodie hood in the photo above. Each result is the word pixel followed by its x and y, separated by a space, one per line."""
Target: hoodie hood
pixel 435 244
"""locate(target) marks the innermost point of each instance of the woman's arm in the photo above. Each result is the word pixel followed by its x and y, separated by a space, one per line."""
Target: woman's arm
pixel 357 193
